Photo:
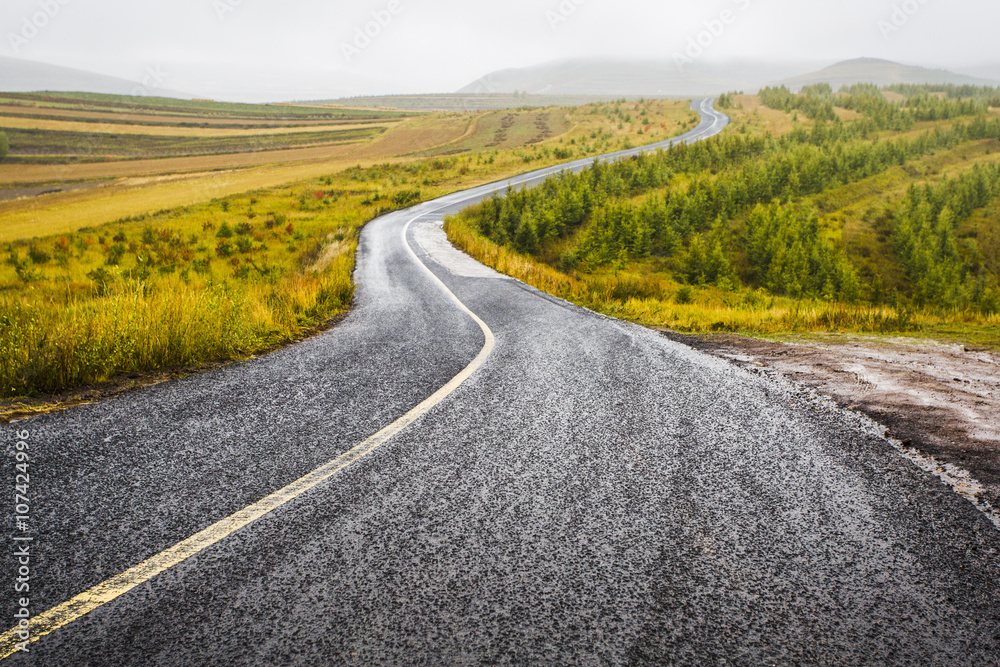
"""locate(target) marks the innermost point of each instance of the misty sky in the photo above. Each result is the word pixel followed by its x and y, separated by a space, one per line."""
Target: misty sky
pixel 441 45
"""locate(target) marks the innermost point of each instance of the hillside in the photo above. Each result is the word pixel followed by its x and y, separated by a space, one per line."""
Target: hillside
pixel 881 73
pixel 883 223
pixel 26 76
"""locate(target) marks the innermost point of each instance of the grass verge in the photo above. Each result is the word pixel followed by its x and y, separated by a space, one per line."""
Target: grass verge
pixel 639 294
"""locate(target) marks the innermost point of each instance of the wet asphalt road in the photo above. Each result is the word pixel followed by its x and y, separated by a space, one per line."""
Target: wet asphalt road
pixel 594 494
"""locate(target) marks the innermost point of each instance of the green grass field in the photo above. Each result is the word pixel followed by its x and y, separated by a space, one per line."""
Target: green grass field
pixel 624 259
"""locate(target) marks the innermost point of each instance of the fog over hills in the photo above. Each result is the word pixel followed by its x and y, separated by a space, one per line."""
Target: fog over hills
pixel 596 77
pixel 26 76
pixel 316 49
pixel 571 79
pixel 237 82
pixel 990 71
pixel 653 78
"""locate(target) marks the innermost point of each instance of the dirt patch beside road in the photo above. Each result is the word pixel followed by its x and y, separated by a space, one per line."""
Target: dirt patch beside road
pixel 941 399
pixel 18 193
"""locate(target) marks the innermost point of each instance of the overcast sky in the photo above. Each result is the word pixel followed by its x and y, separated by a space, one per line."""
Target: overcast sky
pixel 441 45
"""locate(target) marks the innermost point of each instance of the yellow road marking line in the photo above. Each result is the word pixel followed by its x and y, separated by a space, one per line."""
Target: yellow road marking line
pixel 116 586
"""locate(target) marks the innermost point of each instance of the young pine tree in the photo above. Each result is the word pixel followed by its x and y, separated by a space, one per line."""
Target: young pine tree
pixel 526 237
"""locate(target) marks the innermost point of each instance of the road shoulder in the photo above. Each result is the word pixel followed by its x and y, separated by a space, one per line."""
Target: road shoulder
pixel 941 400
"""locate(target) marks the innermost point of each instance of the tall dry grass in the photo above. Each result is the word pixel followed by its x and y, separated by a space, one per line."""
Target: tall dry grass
pixel 47 346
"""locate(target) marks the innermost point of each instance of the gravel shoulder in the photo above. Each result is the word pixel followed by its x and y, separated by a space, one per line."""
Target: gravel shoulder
pixel 941 399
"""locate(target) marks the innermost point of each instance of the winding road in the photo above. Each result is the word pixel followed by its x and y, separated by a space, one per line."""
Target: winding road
pixel 468 471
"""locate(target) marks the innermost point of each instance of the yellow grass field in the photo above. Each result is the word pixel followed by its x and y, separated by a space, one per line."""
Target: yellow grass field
pixel 184 269
pixel 67 212
pixel 405 137
pixel 15 174
pixel 748 109
pixel 141 187
pixel 168 131
pixel 175 119
pixel 417 134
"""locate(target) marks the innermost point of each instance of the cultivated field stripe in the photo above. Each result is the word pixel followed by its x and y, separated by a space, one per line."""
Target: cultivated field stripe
pixel 173 120
pixel 116 586
pixel 139 129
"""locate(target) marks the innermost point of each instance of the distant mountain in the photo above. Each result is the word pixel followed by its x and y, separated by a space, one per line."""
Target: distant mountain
pixel 27 76
pixel 635 78
pixel 991 72
pixel 881 73
pixel 223 82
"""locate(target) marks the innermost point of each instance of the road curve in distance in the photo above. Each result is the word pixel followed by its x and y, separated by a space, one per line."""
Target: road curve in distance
pixel 591 493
